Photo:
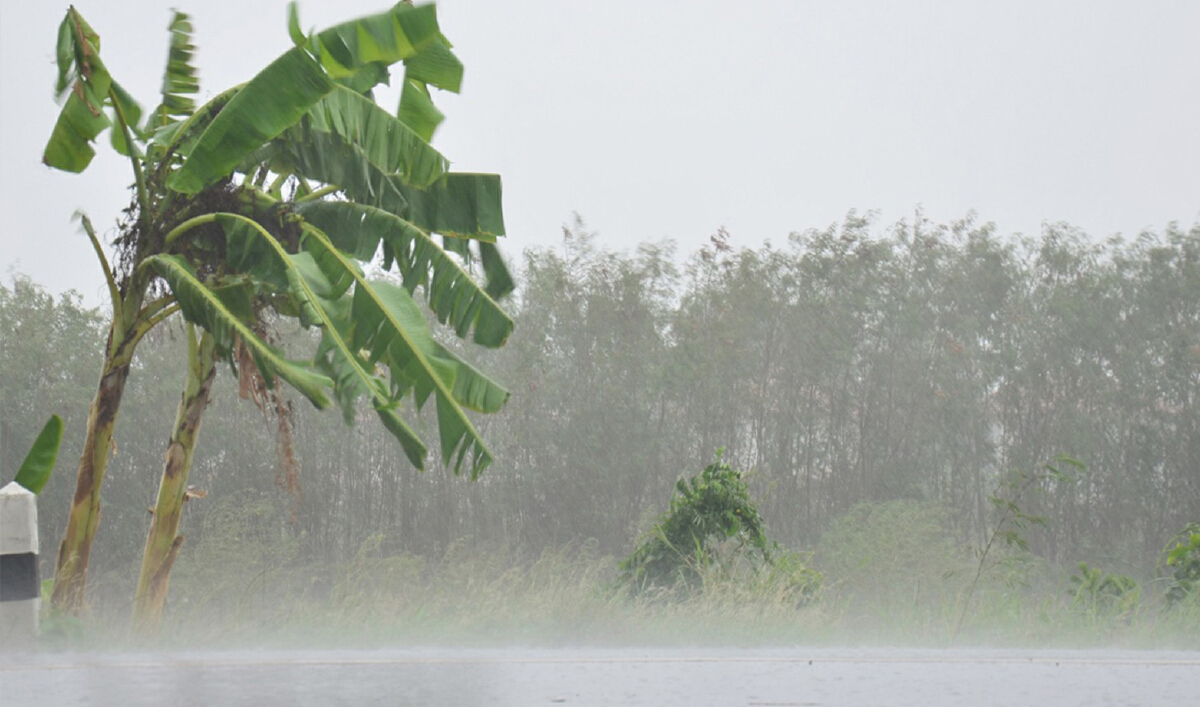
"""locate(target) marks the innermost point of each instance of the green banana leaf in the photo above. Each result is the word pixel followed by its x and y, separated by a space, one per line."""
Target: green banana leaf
pixel 328 159
pixel 500 282
pixel 203 307
pixel 460 204
pixel 387 143
pixel 125 109
pixel 294 30
pixel 269 104
pixel 453 295
pixel 179 78
pixel 417 110
pixel 82 117
pixel 388 324
pixel 437 66
pixel 352 376
pixel 253 250
pixel 472 388
pixel 384 38
pixel 34 472
pixel 433 65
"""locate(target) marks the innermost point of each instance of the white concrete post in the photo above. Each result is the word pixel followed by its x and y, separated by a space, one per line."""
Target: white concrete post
pixel 20 590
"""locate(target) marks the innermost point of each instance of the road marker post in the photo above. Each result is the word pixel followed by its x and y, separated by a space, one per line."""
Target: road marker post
pixel 20 588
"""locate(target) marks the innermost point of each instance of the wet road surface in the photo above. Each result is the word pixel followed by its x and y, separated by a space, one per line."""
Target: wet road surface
pixel 780 677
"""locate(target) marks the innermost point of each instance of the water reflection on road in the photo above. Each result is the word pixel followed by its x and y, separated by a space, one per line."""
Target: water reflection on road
pixel 524 676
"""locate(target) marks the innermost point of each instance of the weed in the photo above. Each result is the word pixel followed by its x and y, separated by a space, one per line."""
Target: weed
pixel 1184 562
pixel 1013 521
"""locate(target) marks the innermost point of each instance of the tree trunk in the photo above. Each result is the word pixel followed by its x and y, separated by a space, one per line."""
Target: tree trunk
pixel 70 575
pixel 162 543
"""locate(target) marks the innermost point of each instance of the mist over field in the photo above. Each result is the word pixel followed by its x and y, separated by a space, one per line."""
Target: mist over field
pixel 891 392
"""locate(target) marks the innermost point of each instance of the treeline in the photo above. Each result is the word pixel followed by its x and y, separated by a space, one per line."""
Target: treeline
pixel 849 365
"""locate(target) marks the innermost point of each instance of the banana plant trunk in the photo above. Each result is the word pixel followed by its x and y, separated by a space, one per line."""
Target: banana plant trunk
pixel 70 574
pixel 162 541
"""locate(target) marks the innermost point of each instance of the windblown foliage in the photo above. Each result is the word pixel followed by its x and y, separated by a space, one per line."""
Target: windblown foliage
pixel 218 230
pixel 707 510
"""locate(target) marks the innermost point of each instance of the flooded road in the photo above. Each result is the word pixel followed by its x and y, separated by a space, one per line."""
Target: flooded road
pixel 523 676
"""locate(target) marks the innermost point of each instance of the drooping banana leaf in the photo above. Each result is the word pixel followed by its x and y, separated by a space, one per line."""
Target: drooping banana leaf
pixel 252 250
pixel 499 281
pixel 352 376
pixel 453 295
pixel 79 124
pixel 390 326
pixel 269 104
pixel 433 65
pixel 203 307
pixel 328 159
pixel 461 204
pixel 472 388
pixel 417 110
pixel 179 78
pixel 386 142
pixel 35 471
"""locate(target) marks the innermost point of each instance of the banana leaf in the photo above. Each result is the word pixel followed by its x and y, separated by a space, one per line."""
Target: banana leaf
pixel 269 104
pixel 453 295
pixel 35 470
pixel 388 324
pixel 203 307
pixel 82 117
pixel 387 143
pixel 461 204
pixel 179 78
pixel 417 110
pixel 384 38
pixel 320 303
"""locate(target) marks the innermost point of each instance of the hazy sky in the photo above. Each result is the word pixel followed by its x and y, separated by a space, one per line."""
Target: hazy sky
pixel 668 118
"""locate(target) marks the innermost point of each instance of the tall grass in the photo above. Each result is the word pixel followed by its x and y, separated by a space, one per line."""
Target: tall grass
pixel 889 574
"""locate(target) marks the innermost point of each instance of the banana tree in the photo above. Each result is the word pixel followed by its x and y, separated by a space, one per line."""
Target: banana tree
pixel 267 202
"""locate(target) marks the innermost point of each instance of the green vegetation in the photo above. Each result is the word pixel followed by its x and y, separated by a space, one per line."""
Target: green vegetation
pixel 1012 522
pixel 712 535
pixel 268 204
pixel 1104 596
pixel 707 511
pixel 35 471
pixel 1183 561
pixel 897 377
pixel 478 592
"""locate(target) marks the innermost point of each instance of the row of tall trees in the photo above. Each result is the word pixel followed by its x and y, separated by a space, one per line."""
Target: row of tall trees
pixel 852 364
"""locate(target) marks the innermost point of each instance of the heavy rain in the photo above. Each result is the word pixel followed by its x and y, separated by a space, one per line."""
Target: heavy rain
pixel 316 427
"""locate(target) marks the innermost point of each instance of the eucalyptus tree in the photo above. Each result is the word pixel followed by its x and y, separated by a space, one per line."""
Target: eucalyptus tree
pixel 267 201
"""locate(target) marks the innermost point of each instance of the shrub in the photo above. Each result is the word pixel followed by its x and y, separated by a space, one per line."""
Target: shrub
pixel 710 515
pixel 1104 595
pixel 1184 562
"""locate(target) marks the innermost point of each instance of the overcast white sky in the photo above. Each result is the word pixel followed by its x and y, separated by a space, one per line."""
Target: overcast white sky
pixel 669 118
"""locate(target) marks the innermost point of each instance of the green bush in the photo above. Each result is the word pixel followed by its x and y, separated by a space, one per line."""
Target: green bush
pixel 711 515
pixel 1184 562
pixel 1104 595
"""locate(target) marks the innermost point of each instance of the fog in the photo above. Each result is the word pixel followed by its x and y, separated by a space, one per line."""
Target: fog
pixel 875 383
